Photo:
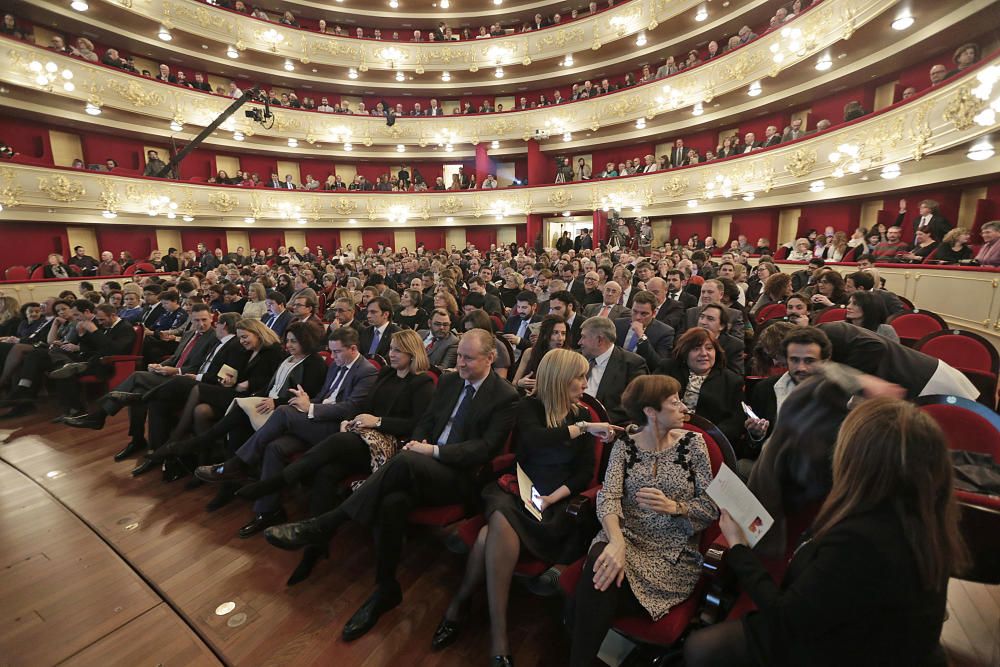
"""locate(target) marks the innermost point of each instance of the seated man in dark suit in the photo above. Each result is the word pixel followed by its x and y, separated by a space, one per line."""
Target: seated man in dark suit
pixel 515 329
pixel 677 282
pixel 190 354
pixel 864 281
pixel 295 427
pixel 468 420
pixel 642 333
pixel 711 292
pixel 608 307
pixel 343 315
pixel 439 341
pixel 565 305
pixel 715 319
pixel 278 317
pixel 667 310
pixel 611 368
pixel 375 339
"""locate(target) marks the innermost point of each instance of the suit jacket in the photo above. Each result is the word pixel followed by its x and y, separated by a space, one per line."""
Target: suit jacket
pixel 735 322
pixel 117 339
pixel 310 374
pixel 198 352
pixel 258 371
pixel 621 369
pixel 672 314
pixel 773 141
pixel 734 352
pixel 574 330
pixel 577 289
pixel 678 156
pixel 587 298
pixel 484 429
pixel 594 309
pixel 407 406
pixel 383 344
pixel 445 352
pixel 279 324
pixel 354 389
pixel 866 551
pixel 764 402
pixel 937 227
pixel 719 398
pixel 870 353
pixel 150 316
pixel 513 324
pixel 231 354
pixel 659 341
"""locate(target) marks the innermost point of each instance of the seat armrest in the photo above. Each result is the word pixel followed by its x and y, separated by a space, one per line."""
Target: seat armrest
pixel 112 359
pixel 503 463
pixel 583 504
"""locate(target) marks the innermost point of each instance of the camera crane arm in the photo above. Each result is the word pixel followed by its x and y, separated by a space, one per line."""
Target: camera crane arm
pixel 247 96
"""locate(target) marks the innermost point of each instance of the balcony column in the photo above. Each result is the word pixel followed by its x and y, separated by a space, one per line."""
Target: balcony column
pixel 484 165
pixel 534 229
pixel 600 229
pixel 536 164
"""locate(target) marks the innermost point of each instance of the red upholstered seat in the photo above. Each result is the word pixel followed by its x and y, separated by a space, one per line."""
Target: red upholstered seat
pixel 970 353
pixel 139 267
pixel 769 312
pixel 832 314
pixel 671 627
pixel 122 365
pixel 913 326
pixel 377 360
pixel 38 273
pixel 16 273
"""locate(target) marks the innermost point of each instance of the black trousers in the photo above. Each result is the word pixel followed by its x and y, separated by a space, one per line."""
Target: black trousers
pixel 138 382
pixel 594 611
pixel 325 466
pixel 154 349
pixel 165 401
pixel 720 645
pixel 406 481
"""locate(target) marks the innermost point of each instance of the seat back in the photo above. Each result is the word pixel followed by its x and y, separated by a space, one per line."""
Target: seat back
pixel 140 333
pixel 596 416
pixel 832 314
pixel 769 312
pixel 435 374
pixel 967 425
pixel 16 273
pixel 377 360
pixel 719 451
pixel 143 267
pixel 914 325
pixel 964 350
pixel 38 273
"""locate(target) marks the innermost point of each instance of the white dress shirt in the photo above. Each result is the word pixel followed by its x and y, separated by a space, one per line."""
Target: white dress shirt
pixel 597 371
pixel 204 365
pixel 443 438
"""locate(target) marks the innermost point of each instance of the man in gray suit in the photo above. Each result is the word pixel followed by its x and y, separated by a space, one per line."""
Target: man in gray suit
pixel 643 334
pixel 611 368
pixel 187 358
pixel 609 306
pixel 441 344
pixel 299 425
pixel 711 292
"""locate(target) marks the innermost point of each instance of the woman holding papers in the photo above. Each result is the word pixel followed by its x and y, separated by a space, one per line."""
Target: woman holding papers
pixel 555 451
pixel 870 587
pixel 652 508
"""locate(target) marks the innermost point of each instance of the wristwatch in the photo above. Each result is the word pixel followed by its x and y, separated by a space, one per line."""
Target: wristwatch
pixel 643 338
pixel 581 425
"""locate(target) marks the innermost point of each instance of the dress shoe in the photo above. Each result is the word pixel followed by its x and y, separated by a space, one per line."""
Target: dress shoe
pixel 94 421
pixel 503 661
pixel 292 536
pixel 264 487
pixel 173 470
pixel 69 414
pixel 219 472
pixel 445 635
pixel 222 498
pixel 365 618
pixel 310 555
pixel 262 521
pixel 67 371
pixel 124 397
pixel 145 466
pixel 131 448
pixel 19 411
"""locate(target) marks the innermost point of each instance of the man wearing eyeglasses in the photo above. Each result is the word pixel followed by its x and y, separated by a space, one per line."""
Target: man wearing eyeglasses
pixel 344 312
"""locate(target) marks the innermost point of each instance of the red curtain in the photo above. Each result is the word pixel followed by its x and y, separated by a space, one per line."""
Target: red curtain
pixel 318 169
pixel 328 238
pixel 754 224
pixel 262 239
pixel 262 165
pixel 371 237
pixel 126 152
pixel 482 237
pixel 30 243
pixel 29 139
pixel 212 238
pixel 198 163
pixel 684 226
pixel 139 241
pixel 522 234
pixel 431 237
pixel 842 216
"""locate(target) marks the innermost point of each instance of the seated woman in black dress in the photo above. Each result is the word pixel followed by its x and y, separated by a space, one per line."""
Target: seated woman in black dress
pixel 871 585
pixel 555 448
pixel 829 291
pixel 652 508
pixel 410 315
pixel 303 366
pixel 954 247
pixel 708 388
pixel 552 334
pixel 399 398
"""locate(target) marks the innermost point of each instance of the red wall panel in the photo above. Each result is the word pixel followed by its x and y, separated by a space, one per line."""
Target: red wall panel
pixel 431 237
pixel 754 224
pixel 831 107
pixel 263 165
pixel 29 139
pixel 140 241
pixel 328 238
pixel 684 226
pixel 200 163
pixel 522 234
pixel 262 239
pixel 127 152
pixel 842 216
pixel 371 237
pixel 481 237
pixel 30 243
pixel 212 238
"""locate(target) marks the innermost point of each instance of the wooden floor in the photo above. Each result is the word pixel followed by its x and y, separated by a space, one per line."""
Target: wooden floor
pixel 103 569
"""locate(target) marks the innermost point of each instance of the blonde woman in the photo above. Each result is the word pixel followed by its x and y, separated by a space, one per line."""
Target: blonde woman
pixel 555 449
pixel 256 306
pixel 801 251
pixel 399 398
pixel 10 317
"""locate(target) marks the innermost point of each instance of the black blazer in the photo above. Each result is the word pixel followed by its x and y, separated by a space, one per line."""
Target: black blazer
pixel 383 344
pixel 658 344
pixel 310 374
pixel 198 352
pixel 279 326
pixel 850 597
pixel 547 454
pixel 151 315
pixel 118 339
pixel 232 354
pixel 621 369
pixel 401 409
pixel 719 399
pixel 733 348
pixel 258 371
pixel 764 402
pixel 937 227
pixel 485 429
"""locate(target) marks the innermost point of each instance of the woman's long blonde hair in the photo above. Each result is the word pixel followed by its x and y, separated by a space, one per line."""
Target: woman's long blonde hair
pixel 9 308
pixel 408 342
pixel 559 367
pixel 257 328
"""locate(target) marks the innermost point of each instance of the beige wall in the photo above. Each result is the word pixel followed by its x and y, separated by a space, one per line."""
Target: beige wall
pixel 661 230
pixel 404 238
pixel 347 172
pixel 505 173
pixel 967 206
pixel 350 237
pixel 295 238
pixel 230 164
pixel 506 235
pixel 507 101
pixel 720 228
pixel 803 116
pixel 169 238
pixel 788 224
pixel 869 213
pixel 286 167
pixel 352 102
pixel 235 239
pixel 65 148
pixel 454 237
pixel 884 95
pixel 84 236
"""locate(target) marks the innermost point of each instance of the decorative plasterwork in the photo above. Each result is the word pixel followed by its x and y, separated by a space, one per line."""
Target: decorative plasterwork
pixel 898 136
pixel 813 32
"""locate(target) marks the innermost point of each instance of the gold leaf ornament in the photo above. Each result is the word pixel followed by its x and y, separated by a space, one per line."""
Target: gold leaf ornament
pixel 223 202
pixel 61 188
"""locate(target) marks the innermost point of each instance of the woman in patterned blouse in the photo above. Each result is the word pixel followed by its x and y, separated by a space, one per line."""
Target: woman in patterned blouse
pixel 652 508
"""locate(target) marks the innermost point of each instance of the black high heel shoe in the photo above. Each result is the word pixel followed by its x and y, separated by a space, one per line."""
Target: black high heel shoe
pixel 312 554
pixel 264 487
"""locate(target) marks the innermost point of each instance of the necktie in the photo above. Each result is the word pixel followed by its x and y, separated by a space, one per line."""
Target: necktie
pixel 593 365
pixel 208 359
pixel 458 421
pixel 633 341
pixel 187 350
pixel 430 345
pixel 605 311
pixel 373 348
pixel 522 327
pixel 335 385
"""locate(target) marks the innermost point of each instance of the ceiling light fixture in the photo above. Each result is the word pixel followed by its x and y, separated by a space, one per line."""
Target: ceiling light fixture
pixel 754 89
pixel 640 124
pixel 289 65
pixel 348 147
pixel 567 136
pixel 400 148
pixel 702 14
pixel 445 76
pixel 698 109
pixel 164 34
pixel 176 126
pixel 817 186
pixel 981 150
pixel 188 218
pixel 568 60
pixel 497 2
pixel 393 4
pixel 890 171
pixel 903 21
pixel 352 221
pixel 495 144
pixel 449 148
pixel 109 214
pixel 249 220
pixel 92 109
pixel 445 4
pixel 400 76
pixel 692 203
pixel 498 73
pixel 750 196
pixel 641 39
pixel 302 221
pixel 79 5
pixel 232 52
pixel 352 73
pixel 237 135
pixel 565 214
pixel 824 63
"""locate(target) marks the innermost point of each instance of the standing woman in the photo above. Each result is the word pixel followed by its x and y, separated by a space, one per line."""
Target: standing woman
pixel 652 508
pixel 555 449
pixel 870 586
